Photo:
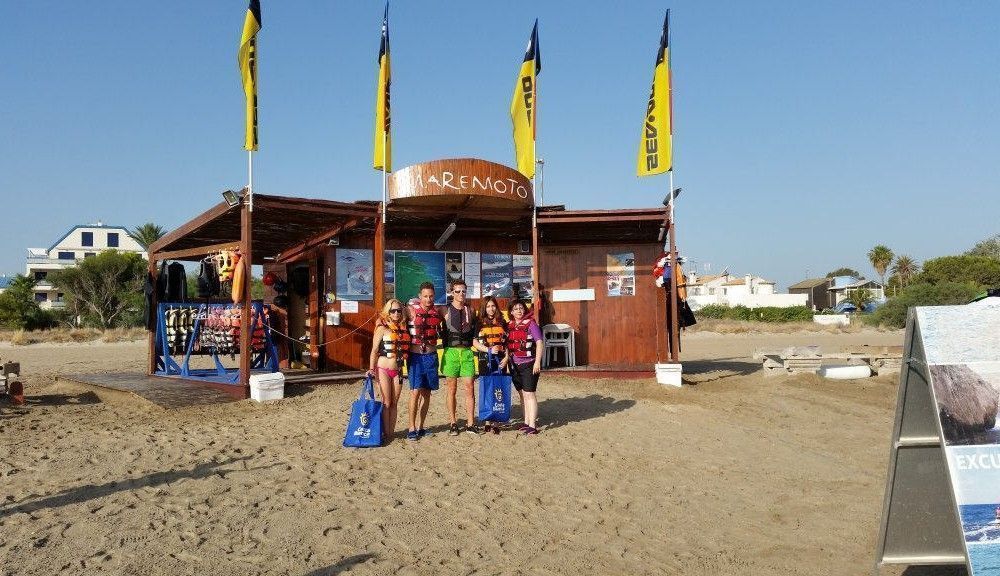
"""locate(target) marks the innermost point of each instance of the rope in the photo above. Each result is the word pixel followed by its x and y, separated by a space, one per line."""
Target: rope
pixel 297 341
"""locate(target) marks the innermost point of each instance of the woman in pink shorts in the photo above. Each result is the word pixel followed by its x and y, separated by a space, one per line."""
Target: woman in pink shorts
pixel 390 347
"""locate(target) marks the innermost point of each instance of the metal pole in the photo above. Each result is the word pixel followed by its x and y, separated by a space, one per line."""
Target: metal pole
pixel 385 174
pixel 250 178
pixel 675 348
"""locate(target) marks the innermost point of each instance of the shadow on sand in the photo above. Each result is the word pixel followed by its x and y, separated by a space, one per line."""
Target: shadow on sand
pixel 704 371
pixel 342 566
pixel 94 491
pixel 556 412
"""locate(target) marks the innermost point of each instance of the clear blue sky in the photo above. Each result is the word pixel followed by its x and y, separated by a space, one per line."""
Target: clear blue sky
pixel 805 133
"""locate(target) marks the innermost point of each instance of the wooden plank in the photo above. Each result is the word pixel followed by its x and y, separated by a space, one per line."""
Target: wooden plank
pixel 151 336
pixel 188 227
pixel 608 218
pixel 318 240
pixel 200 251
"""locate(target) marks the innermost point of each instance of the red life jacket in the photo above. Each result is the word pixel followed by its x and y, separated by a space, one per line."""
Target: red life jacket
pixel 520 343
pixel 425 326
pixel 395 341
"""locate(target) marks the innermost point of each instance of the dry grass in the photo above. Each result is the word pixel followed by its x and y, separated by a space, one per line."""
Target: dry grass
pixel 745 327
pixel 72 335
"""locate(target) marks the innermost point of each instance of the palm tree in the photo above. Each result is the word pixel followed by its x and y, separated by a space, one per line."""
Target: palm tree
pixel 905 269
pixel 860 297
pixel 881 257
pixel 147 234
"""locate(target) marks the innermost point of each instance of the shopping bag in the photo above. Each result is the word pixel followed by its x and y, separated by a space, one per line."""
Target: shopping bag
pixel 494 396
pixel 365 427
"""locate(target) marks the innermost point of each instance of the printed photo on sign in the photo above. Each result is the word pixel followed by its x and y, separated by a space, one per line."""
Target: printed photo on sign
pixel 967 397
pixel 523 290
pixel 415 268
pixel 389 266
pixel 453 264
pixel 355 274
pixel 497 270
pixel 975 474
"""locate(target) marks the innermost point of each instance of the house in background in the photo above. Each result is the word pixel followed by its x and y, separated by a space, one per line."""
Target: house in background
pixel 817 291
pixel 82 241
pixel 727 290
pixel 844 286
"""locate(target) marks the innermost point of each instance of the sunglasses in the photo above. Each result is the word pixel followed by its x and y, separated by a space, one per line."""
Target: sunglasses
pixel 459 291
pixel 396 311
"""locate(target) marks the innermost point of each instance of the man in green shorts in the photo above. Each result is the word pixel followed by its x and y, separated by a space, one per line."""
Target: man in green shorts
pixel 459 362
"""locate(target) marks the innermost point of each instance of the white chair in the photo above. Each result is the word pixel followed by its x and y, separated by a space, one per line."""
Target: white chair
pixel 559 336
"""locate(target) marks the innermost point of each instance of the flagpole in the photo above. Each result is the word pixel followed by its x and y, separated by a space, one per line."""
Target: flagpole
pixel 675 348
pixel 250 178
pixel 385 174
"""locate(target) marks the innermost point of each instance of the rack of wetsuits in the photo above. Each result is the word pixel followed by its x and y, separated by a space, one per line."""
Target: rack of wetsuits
pixel 212 329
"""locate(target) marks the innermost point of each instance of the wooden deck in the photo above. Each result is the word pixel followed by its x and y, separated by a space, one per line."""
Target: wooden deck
pixel 166 392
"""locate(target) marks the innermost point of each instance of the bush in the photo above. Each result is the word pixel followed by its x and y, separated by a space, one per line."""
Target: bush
pixel 978 269
pixel 893 312
pixel 763 314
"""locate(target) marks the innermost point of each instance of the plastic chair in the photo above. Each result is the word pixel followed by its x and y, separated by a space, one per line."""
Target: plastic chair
pixel 559 336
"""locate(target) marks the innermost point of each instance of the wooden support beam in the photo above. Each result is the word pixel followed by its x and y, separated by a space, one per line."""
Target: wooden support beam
pixel 304 206
pixel 192 225
pixel 151 336
pixel 536 295
pixel 302 247
pixel 246 257
pixel 199 251
pixel 551 219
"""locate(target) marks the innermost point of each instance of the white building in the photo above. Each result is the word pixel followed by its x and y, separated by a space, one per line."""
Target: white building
pixel 727 290
pixel 844 286
pixel 82 241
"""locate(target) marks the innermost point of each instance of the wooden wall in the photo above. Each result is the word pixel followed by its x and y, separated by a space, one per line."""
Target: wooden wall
pixel 622 332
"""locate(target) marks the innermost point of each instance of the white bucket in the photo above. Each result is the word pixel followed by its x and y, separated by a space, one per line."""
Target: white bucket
pixel 669 374
pixel 265 387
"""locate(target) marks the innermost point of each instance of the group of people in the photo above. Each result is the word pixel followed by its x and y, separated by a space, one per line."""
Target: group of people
pixel 482 342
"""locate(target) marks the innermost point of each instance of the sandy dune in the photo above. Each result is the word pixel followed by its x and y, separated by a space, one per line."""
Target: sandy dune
pixel 739 474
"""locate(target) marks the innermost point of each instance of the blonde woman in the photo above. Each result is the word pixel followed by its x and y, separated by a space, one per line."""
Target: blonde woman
pixel 390 346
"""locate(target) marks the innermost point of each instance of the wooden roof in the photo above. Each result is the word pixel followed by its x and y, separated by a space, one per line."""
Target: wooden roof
pixel 281 225
pixel 589 226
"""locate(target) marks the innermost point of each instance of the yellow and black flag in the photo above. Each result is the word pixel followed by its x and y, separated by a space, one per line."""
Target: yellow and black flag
pixel 523 107
pixel 248 69
pixel 656 145
pixel 383 119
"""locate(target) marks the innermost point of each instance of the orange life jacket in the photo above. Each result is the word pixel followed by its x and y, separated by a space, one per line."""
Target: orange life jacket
pixel 395 341
pixel 491 335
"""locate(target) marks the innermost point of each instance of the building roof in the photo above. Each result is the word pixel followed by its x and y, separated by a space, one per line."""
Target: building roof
pixel 706 279
pixel 859 284
pixel 810 283
pixel 78 226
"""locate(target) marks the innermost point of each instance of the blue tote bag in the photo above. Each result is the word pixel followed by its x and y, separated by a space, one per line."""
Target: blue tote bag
pixel 365 428
pixel 494 395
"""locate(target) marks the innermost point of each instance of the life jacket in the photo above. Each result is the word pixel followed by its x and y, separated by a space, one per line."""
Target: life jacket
pixel 208 279
pixel 458 336
pixel 519 340
pixel 425 326
pixel 395 341
pixel 491 335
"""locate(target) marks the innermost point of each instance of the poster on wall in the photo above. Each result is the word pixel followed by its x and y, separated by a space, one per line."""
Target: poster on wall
pixel 454 267
pixel 621 274
pixel 497 272
pixel 472 275
pixel 355 274
pixel 414 268
pixel 389 274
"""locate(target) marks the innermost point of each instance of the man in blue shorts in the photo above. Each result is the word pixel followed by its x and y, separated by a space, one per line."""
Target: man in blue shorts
pixel 425 329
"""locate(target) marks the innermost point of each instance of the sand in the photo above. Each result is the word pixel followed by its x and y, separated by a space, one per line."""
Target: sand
pixel 738 474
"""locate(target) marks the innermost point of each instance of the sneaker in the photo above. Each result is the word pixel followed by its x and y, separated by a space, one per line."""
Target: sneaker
pixel 453 430
pixel 422 432
pixel 473 429
pixel 412 435
pixel 496 429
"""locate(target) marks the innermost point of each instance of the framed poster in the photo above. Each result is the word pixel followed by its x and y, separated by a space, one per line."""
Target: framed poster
pixel 355 272
pixel 497 273
pixel 414 268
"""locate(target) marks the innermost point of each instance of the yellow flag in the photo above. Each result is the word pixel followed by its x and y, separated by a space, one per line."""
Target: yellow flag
pixel 248 69
pixel 523 106
pixel 383 119
pixel 656 144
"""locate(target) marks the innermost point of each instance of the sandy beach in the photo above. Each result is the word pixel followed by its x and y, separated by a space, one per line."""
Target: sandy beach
pixel 739 473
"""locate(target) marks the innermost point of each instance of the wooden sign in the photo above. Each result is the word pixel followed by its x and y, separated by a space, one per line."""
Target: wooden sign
pixel 487 182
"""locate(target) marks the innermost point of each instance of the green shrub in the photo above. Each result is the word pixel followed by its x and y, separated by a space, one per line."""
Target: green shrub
pixel 763 314
pixel 979 269
pixel 893 312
